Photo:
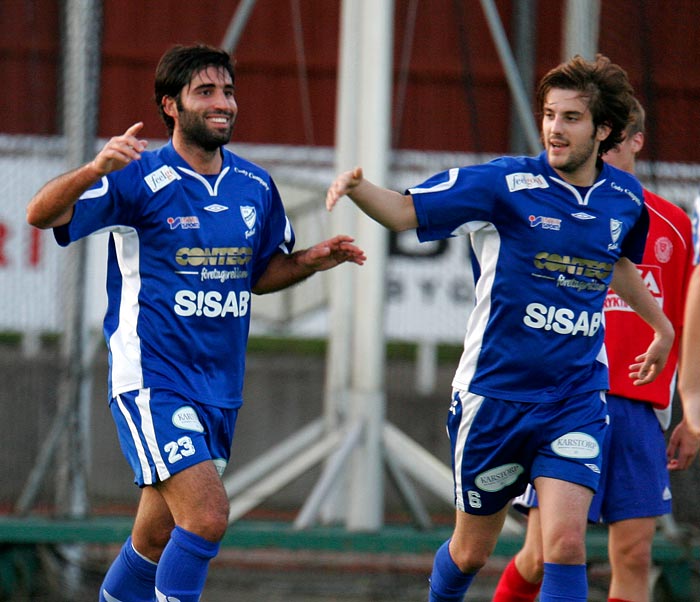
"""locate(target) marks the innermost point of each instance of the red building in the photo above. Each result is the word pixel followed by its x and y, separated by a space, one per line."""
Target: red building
pixel 455 97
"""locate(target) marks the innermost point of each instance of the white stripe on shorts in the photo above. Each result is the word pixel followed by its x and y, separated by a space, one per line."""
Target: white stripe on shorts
pixel 145 468
pixel 470 406
pixel 526 500
pixel 143 402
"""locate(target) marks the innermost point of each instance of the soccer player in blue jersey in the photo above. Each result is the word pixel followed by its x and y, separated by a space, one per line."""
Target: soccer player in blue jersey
pixel 634 487
pixel 549 235
pixel 195 230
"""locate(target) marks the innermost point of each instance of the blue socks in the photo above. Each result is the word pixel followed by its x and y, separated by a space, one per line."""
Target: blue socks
pixel 564 583
pixel 183 567
pixel 131 578
pixel 181 572
pixel 447 582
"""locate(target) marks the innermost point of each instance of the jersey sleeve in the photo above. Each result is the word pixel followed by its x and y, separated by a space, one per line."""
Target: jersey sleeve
pixel 103 206
pixel 448 202
pixel 278 234
pixel 635 241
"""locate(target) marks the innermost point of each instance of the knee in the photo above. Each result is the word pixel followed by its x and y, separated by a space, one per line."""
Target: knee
pixel 469 560
pixel 568 548
pixel 210 523
pixel 151 542
pixel 635 556
pixel 530 564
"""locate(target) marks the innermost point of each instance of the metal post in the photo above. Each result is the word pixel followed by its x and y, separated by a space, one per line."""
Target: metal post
pixel 581 25
pixel 237 26
pixel 522 103
pixel 524 32
pixel 342 291
pixel 81 82
pixel 366 497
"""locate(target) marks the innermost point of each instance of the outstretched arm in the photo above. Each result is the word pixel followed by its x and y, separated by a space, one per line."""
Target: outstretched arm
pixel 390 208
pixel 286 270
pixel 53 205
pixel 629 285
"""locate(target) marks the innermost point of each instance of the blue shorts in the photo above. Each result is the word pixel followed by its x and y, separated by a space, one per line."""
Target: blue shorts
pixel 498 446
pixel 162 432
pixel 634 480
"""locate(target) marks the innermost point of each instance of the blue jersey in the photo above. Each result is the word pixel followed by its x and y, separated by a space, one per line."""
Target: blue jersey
pixel 544 254
pixel 184 251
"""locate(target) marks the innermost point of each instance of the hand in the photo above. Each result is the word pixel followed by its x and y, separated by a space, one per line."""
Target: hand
pixel 330 253
pixel 650 364
pixel 683 446
pixel 120 151
pixel 343 185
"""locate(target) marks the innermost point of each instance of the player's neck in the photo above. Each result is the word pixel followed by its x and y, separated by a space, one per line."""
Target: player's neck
pixel 585 175
pixel 199 159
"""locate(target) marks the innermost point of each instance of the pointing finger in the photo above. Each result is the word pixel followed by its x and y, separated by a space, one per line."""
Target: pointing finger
pixel 134 129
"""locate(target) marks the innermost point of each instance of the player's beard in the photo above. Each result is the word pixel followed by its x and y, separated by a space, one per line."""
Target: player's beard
pixel 577 157
pixel 195 129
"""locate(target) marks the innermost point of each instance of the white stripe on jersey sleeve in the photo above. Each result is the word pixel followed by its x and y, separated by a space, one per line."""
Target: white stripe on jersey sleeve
pixel 438 187
pixel 93 193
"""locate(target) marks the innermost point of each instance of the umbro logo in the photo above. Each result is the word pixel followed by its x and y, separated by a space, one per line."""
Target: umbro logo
pixel 216 208
pixel 582 215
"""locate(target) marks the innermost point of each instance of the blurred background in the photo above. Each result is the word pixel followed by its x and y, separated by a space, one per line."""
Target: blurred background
pixel 353 368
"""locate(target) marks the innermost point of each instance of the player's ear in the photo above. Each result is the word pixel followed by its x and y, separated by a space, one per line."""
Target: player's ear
pixel 602 131
pixel 169 105
pixel 637 142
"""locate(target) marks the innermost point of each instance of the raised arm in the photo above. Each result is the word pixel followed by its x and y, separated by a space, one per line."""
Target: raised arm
pixel 628 284
pixel 53 205
pixel 391 209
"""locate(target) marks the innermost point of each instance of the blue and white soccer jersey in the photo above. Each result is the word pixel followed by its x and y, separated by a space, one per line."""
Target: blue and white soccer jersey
pixel 185 251
pixel 544 254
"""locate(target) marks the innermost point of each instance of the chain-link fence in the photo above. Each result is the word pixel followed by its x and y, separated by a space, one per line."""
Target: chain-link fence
pixel 428 291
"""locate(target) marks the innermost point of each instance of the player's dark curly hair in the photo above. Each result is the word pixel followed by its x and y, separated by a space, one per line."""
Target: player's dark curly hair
pixel 177 67
pixel 610 94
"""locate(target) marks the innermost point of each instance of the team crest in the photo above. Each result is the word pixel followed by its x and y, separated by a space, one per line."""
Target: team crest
pixel 615 230
pixel 248 215
pixel 663 249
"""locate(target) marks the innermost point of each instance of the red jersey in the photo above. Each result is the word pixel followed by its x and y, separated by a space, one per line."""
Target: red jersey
pixel 665 268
